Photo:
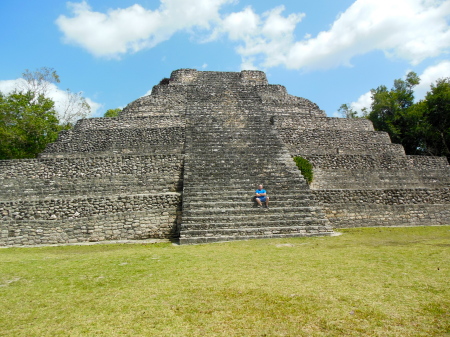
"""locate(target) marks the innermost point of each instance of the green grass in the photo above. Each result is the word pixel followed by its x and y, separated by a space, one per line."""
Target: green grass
pixel 367 282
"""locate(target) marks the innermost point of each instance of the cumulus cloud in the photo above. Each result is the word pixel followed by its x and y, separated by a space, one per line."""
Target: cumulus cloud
pixel 239 26
pixel 8 86
pixel 412 30
pixel 430 76
pixel 60 97
pixel 364 101
pixel 131 29
pixel 264 39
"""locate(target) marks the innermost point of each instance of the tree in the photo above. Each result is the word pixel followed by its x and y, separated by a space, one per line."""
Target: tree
pixel 75 107
pixel 422 127
pixel 112 112
pixel 28 122
pixel 392 111
pixel 39 81
pixel 43 81
pixel 28 117
pixel 437 103
pixel 346 111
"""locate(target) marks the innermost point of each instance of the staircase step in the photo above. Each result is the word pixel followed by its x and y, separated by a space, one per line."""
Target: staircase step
pixel 246 204
pixel 257 220
pixel 280 212
pixel 262 223
pixel 230 194
pixel 243 235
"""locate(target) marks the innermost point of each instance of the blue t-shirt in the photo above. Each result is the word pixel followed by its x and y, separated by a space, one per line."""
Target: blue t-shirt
pixel 261 192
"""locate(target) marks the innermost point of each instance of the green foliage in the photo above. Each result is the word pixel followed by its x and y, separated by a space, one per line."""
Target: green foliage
pixel 28 120
pixel 112 112
pixel 28 123
pixel 422 127
pixel 305 168
pixel 437 112
pixel 390 110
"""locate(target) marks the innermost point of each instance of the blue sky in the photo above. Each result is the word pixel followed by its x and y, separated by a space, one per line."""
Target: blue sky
pixel 328 51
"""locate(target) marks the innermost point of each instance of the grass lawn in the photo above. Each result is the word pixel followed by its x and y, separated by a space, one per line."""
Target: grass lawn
pixel 367 282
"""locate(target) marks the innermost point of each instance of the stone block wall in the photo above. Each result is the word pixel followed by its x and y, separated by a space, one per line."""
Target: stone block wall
pixel 354 161
pixel 385 207
pixel 139 122
pixel 299 122
pixel 76 207
pixel 330 136
pixel 253 77
pixel 328 141
pixel 337 171
pixel 165 101
pixel 90 198
pixel 425 163
pixel 184 76
pixel 277 103
pixel 151 224
pixel 367 179
pixel 90 175
pixel 119 139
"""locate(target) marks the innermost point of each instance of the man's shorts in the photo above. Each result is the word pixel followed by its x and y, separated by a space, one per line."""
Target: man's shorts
pixel 262 199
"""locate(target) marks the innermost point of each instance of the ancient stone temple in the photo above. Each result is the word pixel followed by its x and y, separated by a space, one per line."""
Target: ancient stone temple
pixel 183 163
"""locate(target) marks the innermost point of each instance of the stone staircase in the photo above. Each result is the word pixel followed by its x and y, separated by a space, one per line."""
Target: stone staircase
pixel 229 150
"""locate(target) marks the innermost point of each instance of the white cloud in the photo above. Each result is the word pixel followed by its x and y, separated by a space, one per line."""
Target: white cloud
pixel 134 28
pixel 364 101
pixel 248 64
pixel 412 30
pixel 429 76
pixel 267 37
pixel 241 25
pixel 408 29
pixel 95 107
pixel 8 86
pixel 59 96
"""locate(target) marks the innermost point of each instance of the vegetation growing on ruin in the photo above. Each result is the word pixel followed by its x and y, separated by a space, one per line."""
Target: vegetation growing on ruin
pixel 112 112
pixel 305 168
pixel 367 282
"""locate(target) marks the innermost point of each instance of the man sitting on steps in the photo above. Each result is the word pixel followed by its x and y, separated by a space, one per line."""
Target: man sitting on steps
pixel 261 196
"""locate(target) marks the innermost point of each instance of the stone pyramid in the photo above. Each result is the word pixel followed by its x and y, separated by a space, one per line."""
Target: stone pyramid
pixel 183 164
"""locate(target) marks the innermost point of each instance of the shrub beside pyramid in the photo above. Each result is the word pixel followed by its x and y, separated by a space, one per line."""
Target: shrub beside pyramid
pixel 183 163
